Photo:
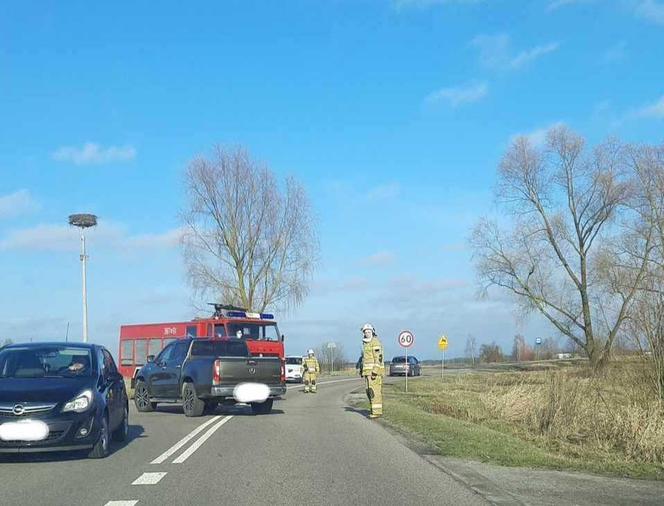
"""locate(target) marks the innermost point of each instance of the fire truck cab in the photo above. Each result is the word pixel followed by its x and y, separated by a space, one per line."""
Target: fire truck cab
pixel 259 330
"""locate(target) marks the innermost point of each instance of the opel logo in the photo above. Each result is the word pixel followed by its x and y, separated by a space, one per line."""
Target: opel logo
pixel 18 409
pixel 252 370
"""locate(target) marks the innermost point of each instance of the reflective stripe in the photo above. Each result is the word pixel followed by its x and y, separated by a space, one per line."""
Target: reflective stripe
pixel 376 405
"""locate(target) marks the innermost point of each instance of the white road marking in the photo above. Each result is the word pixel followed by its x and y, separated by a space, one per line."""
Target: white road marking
pixel 149 479
pixel 324 383
pixel 162 458
pixel 190 451
pixel 121 503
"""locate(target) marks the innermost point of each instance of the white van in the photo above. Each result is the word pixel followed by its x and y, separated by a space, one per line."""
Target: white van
pixel 294 369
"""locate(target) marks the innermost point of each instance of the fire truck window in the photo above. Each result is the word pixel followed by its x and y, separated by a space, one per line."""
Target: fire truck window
pixel 141 352
pixel 219 330
pixel 192 331
pixel 155 347
pixel 127 353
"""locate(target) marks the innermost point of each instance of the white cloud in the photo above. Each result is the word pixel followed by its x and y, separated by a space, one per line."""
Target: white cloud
pixel 651 10
pixel 615 53
pixel 385 191
pixel 537 137
pixel 17 204
pixel 654 110
pixel 460 95
pixel 94 154
pixel 380 259
pixel 496 52
pixel 108 235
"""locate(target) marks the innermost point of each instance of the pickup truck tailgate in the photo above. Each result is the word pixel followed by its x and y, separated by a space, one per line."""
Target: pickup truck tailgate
pixel 235 370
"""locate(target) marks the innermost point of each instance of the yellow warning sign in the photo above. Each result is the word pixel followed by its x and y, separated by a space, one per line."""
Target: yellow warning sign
pixel 442 343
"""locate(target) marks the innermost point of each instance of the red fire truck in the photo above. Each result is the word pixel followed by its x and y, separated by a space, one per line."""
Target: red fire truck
pixel 228 322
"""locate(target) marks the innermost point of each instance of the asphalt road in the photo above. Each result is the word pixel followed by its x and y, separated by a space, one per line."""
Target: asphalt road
pixel 313 449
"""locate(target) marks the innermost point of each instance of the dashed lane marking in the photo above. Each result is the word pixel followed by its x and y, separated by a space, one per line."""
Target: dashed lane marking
pixel 162 458
pixel 149 479
pixel 190 451
pixel 121 503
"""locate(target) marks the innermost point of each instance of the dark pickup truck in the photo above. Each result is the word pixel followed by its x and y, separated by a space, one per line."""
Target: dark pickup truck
pixel 201 373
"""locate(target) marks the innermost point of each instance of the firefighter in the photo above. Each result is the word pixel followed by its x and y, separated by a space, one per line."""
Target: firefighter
pixel 311 370
pixel 373 369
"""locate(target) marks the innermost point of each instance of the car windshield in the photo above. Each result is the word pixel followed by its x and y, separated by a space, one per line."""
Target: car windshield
pixel 399 360
pixel 45 362
pixel 258 331
pixel 294 360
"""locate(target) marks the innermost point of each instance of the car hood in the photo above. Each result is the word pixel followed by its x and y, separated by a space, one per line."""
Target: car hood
pixel 42 389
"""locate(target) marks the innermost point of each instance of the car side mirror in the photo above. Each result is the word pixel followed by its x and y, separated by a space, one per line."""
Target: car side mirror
pixel 150 359
pixel 283 337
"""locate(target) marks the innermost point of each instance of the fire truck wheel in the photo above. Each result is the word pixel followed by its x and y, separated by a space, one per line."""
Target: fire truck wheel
pixel 142 398
pixel 191 404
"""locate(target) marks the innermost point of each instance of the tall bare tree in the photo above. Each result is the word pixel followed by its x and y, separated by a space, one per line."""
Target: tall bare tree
pixel 248 240
pixel 577 247
pixel 646 325
pixel 471 348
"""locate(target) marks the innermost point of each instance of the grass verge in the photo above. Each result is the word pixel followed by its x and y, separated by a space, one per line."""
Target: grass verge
pixel 533 420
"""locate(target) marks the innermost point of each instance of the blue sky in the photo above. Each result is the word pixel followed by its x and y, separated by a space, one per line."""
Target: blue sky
pixel 392 113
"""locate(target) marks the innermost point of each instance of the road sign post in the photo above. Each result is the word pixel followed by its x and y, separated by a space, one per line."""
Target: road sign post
pixel 442 344
pixel 538 342
pixel 406 340
pixel 331 347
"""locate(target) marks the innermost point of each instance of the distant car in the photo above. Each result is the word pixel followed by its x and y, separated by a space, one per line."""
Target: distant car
pixel 399 367
pixel 294 369
pixel 61 397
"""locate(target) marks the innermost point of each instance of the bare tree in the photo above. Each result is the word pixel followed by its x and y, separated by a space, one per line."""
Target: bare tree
pixel 471 348
pixel 577 250
pixel 646 325
pixel 520 350
pixel 331 356
pixel 247 241
pixel 491 353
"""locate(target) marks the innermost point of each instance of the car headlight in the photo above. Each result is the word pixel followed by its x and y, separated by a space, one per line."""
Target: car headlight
pixel 80 403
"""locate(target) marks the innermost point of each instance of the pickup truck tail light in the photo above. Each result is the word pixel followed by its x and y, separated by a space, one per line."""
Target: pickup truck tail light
pixel 216 372
pixel 283 370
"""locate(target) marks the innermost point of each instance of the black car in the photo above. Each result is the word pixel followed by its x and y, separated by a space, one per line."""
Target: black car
pixel 61 397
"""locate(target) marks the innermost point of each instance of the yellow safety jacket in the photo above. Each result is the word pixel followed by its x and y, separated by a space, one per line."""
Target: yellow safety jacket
pixel 310 364
pixel 372 358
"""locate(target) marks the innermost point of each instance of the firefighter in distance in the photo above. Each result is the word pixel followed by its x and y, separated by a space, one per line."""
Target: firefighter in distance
pixel 311 371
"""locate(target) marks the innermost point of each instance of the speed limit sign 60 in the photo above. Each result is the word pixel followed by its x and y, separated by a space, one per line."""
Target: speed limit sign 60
pixel 406 339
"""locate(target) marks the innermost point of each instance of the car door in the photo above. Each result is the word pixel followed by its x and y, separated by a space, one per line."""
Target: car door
pixel 173 368
pixel 116 390
pixel 157 377
pixel 105 387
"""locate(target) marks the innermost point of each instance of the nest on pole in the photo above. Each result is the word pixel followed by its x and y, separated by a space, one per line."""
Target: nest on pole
pixel 83 220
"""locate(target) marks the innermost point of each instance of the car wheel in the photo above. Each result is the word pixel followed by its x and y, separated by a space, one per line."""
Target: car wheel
pixel 191 404
pixel 122 432
pixel 101 449
pixel 142 398
pixel 262 408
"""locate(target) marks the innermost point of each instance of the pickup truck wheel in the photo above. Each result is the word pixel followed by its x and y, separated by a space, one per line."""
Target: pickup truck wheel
pixel 142 398
pixel 191 404
pixel 262 408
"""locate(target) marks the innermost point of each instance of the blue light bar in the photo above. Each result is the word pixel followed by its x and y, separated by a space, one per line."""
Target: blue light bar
pixel 267 316
pixel 236 314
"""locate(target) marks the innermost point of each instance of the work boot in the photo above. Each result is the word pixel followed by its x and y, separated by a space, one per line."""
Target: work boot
pixel 374 415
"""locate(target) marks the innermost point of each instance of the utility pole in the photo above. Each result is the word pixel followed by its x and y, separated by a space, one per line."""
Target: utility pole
pixel 84 221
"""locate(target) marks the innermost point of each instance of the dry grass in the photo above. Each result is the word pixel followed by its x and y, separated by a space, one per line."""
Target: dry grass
pixel 616 417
